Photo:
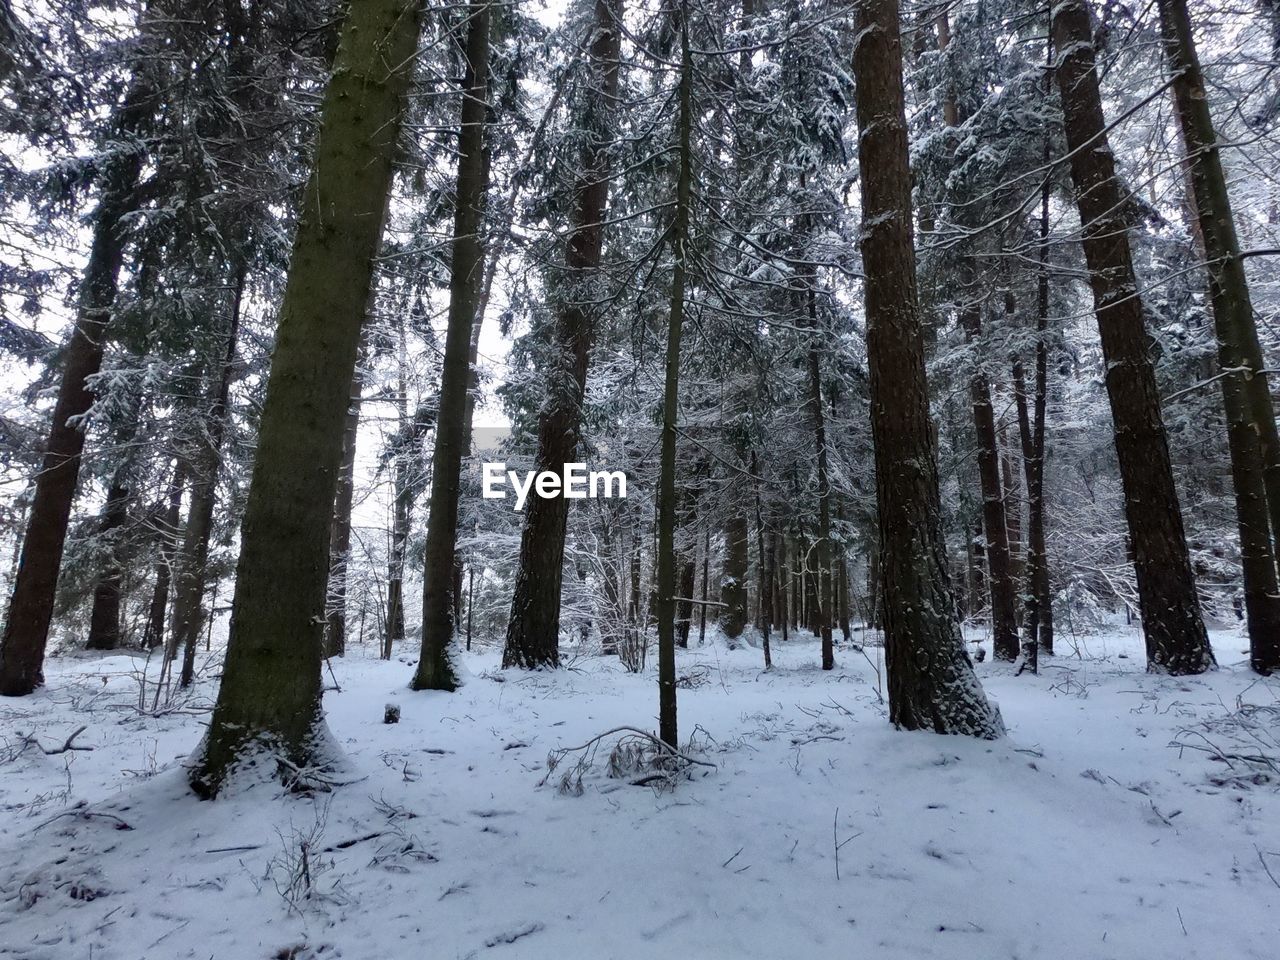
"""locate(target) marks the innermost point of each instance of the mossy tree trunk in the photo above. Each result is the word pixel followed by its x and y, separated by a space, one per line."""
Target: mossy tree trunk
pixel 269 700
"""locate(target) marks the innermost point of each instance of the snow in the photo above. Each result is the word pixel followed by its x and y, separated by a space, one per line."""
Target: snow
pixel 1083 833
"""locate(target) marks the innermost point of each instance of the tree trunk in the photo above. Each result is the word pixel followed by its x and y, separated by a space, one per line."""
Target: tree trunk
pixel 930 679
pixel 31 607
pixel 1004 616
pixel 679 239
pixel 335 637
pixel 533 631
pixel 104 617
pixel 435 671
pixel 1246 394
pixel 706 582
pixel 1175 634
pixel 168 533
pixel 733 582
pixel 765 577
pixel 1038 600
pixel 688 563
pixel 206 465
pixel 270 692
pixel 822 549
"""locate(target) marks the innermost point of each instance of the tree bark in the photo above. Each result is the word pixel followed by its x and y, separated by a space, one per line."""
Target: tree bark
pixel 1175 634
pixel 533 631
pixel 270 693
pixel 1246 394
pixel 435 670
pixel 1004 616
pixel 733 581
pixel 104 616
pixel 335 637
pixel 822 549
pixel 31 607
pixel 679 240
pixel 930 679
pixel 168 533
pixel 206 466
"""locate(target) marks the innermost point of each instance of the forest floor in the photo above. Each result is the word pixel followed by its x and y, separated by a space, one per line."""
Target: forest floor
pixel 819 832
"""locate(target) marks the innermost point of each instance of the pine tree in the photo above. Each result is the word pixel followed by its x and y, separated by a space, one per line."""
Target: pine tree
pixel 533 630
pixel 1246 394
pixel 1175 633
pixel 435 671
pixel 270 694
pixel 931 681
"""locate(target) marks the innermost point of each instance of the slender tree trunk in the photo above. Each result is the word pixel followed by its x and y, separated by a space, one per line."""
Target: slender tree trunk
pixel 270 692
pixel 765 572
pixel 822 549
pixel 435 671
pixel 679 239
pixel 706 582
pixel 168 536
pixel 1246 394
pixel 31 607
pixel 688 562
pixel 533 631
pixel 206 465
pixel 1004 617
pixel 1175 634
pixel 784 580
pixel 335 637
pixel 104 617
pixel 733 582
pixel 930 679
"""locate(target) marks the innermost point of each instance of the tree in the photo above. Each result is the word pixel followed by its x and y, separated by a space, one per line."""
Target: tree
pixel 678 237
pixel 269 699
pixel 1175 633
pixel 533 631
pixel 31 606
pixel 1246 394
pixel 435 671
pixel 930 679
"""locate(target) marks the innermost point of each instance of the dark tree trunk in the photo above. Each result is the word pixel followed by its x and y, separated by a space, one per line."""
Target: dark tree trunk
pixel 435 671
pixel 167 532
pixel 688 563
pixel 733 582
pixel 270 692
pixel 822 549
pixel 930 679
pixel 1004 616
pixel 1255 453
pixel 765 577
pixel 31 607
pixel 679 240
pixel 335 636
pixel 706 582
pixel 1038 602
pixel 206 466
pixel 104 617
pixel 1175 634
pixel 533 631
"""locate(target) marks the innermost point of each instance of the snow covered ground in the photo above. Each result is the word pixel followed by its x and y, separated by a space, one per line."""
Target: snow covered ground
pixel 820 832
